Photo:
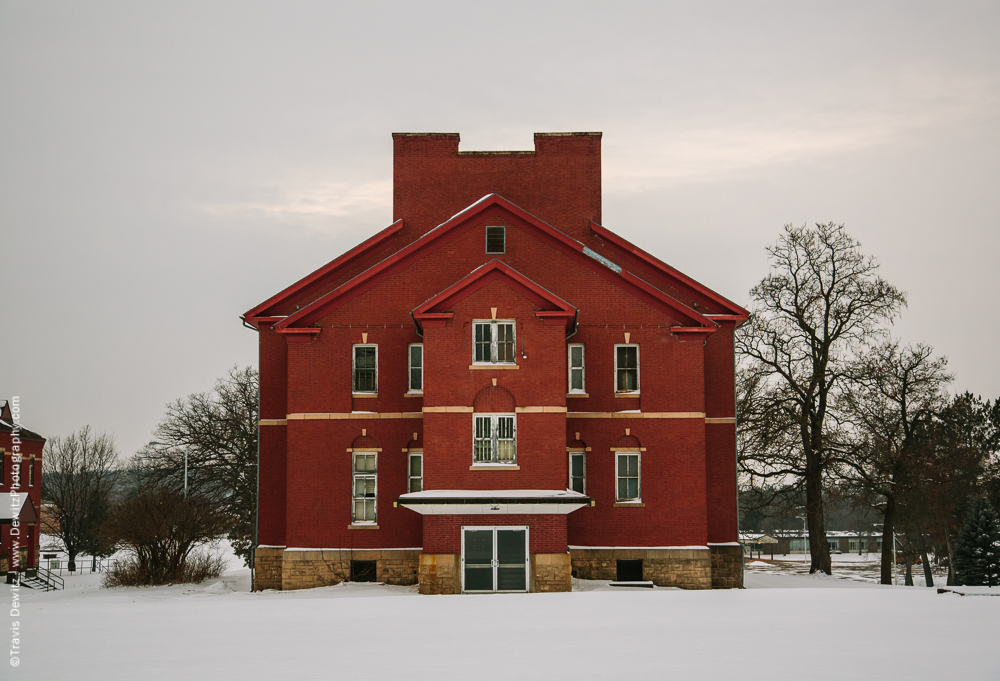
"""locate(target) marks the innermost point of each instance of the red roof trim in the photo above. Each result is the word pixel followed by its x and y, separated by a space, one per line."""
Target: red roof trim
pixel 359 250
pixel 491 271
pixel 658 264
pixel 318 308
pixel 668 301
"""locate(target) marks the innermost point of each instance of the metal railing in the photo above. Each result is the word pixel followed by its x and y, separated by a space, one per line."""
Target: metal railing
pixel 49 581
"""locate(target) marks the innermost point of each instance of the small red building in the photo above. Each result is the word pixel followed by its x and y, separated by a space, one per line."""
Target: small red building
pixel 496 392
pixel 20 490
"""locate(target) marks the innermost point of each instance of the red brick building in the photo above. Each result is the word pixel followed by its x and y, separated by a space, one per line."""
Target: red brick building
pixel 496 392
pixel 20 491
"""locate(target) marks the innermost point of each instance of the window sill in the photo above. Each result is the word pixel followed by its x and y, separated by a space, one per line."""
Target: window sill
pixel 364 395
pixel 627 394
pixel 494 467
pixel 414 393
pixel 629 504
pixel 577 395
pixel 362 527
pixel 501 367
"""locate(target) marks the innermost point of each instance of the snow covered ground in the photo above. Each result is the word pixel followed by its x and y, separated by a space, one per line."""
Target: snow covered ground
pixel 783 626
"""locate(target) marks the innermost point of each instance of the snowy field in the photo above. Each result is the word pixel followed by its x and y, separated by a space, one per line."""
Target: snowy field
pixel 783 626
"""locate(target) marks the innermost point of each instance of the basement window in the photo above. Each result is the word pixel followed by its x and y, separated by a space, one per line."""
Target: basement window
pixel 363 570
pixel 496 240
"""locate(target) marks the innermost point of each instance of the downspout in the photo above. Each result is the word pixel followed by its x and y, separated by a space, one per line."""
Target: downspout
pixel 416 325
pixel 256 499
pixel 576 325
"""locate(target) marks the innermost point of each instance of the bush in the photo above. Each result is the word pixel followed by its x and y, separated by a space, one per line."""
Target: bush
pixel 197 568
pixel 159 529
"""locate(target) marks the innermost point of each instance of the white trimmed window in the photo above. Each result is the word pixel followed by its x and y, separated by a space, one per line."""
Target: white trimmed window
pixel 365 369
pixel 628 472
pixel 494 439
pixel 416 368
pixel 578 472
pixel 365 487
pixel 493 342
pixel 577 370
pixel 627 368
pixel 416 472
pixel 834 545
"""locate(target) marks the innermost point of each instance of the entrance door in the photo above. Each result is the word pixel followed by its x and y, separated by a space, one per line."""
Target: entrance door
pixel 494 559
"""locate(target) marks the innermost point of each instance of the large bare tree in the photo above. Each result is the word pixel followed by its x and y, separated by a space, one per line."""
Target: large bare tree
pixel 213 435
pixel 891 404
pixel 822 301
pixel 79 475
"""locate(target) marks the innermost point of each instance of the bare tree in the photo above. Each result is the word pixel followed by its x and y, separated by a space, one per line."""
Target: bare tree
pixel 160 528
pixel 79 474
pixel 213 436
pixel 821 302
pixel 891 404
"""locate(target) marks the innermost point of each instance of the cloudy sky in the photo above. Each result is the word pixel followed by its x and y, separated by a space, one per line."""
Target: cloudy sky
pixel 166 166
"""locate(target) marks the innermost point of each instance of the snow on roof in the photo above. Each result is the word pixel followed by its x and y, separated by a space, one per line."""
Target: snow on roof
pixel 493 494
pixel 11 506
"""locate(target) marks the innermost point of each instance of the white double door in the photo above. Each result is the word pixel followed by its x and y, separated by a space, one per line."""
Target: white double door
pixel 494 559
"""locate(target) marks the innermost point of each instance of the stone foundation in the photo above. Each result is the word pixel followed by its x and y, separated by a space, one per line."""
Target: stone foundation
pixel 727 567
pixel 551 572
pixel 267 568
pixel 440 573
pixel 307 568
pixel 684 568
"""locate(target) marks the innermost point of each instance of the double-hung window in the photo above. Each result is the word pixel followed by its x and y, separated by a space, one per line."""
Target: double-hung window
pixel 416 367
pixel 628 477
pixel 365 369
pixel 494 439
pixel 577 378
pixel 578 472
pixel 416 472
pixel 365 487
pixel 626 368
pixel 493 342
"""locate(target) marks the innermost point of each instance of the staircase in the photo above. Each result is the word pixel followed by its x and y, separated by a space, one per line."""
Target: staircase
pixel 41 579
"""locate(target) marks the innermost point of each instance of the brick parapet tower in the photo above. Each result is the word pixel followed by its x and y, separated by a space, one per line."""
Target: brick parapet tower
pixel 496 392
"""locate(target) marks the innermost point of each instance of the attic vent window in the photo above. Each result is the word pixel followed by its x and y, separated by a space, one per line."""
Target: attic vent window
pixel 495 239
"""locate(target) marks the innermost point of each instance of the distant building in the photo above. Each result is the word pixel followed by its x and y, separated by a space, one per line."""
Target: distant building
pixel 20 492
pixel 496 392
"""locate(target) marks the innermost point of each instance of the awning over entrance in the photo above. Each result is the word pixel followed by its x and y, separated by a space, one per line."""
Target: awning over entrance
pixel 493 502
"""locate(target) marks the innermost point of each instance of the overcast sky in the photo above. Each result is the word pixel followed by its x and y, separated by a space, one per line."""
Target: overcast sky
pixel 166 166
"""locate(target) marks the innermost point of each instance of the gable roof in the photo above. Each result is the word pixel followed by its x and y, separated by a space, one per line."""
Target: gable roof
pixel 259 313
pixel 298 323
pixel 554 310
pixel 671 273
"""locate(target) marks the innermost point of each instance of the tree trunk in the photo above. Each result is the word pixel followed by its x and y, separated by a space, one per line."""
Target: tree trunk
pixel 951 558
pixel 888 518
pixel 908 579
pixel 928 575
pixel 71 563
pixel 819 549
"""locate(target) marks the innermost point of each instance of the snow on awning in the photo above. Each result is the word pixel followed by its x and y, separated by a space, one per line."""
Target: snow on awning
pixel 494 502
